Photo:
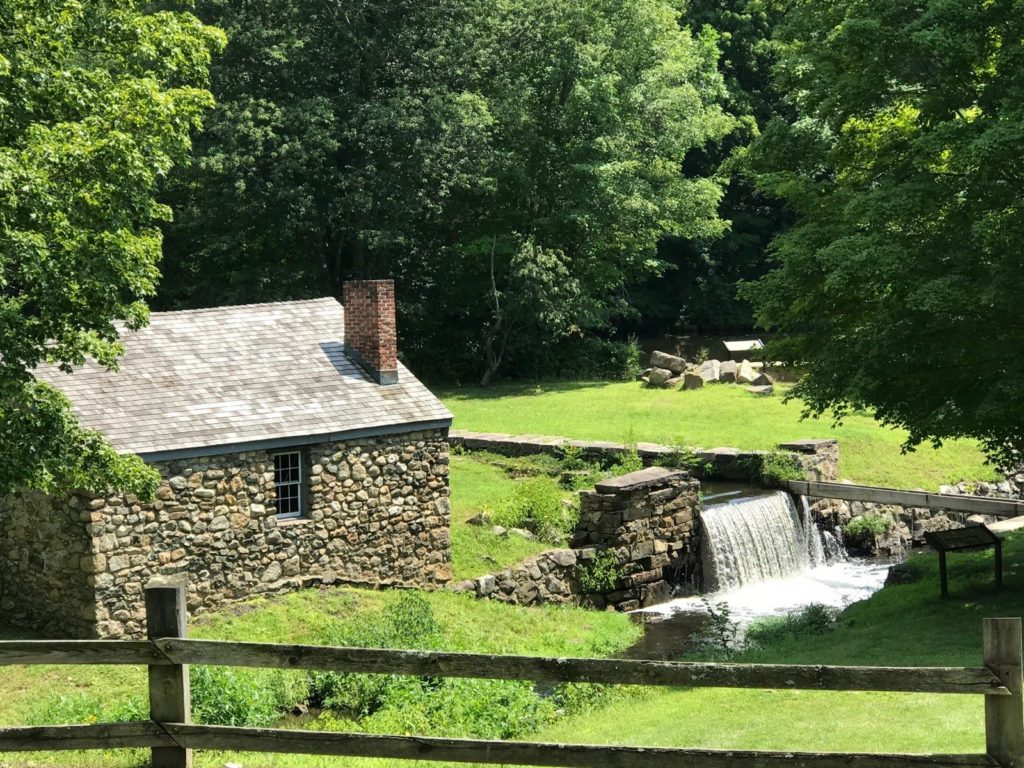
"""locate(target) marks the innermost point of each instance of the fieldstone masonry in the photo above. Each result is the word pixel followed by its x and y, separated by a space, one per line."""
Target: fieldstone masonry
pixel 378 515
pixel 647 520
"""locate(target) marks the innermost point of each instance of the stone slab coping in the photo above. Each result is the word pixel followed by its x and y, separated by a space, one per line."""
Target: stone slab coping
pixel 807 446
pixel 643 478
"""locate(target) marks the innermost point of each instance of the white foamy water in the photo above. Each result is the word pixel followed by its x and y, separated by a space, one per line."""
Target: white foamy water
pixel 836 585
pixel 764 557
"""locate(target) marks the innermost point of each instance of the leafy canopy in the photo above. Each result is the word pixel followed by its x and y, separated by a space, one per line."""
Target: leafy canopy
pixel 97 100
pixel 513 163
pixel 898 289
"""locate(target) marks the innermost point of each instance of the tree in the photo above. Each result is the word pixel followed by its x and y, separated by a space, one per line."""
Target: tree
pixel 97 100
pixel 512 164
pixel 898 287
pixel 699 290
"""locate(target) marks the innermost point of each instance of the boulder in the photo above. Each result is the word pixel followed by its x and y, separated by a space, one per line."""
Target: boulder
pixel 762 391
pixel 659 376
pixel 665 360
pixel 709 371
pixel 746 373
pixel 642 376
pixel 673 382
pixel 693 381
pixel 763 380
pixel 727 371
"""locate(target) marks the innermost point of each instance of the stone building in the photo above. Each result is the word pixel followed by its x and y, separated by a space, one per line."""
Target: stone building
pixel 294 449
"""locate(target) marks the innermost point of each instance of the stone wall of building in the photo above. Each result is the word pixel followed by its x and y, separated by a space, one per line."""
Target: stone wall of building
pixel 378 515
pixel 45 555
pixel 644 525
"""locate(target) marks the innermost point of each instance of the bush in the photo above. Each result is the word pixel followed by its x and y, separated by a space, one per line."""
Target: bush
pixel 601 574
pixel 538 504
pixel 777 468
pixel 628 461
pixel 871 525
pixel 812 620
pixel 408 623
pixel 243 697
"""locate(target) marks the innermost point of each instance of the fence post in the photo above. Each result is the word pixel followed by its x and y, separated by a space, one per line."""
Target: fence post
pixel 1004 715
pixel 170 699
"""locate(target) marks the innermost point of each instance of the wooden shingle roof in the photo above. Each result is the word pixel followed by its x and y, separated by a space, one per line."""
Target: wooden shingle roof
pixel 259 375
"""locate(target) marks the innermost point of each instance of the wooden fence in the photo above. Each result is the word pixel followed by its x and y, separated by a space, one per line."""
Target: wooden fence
pixel 971 505
pixel 171 735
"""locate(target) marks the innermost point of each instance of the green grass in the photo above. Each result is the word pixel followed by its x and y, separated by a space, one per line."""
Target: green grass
pixel 476 487
pixel 710 417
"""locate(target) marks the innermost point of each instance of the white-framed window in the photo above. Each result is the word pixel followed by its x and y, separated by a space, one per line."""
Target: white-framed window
pixel 288 484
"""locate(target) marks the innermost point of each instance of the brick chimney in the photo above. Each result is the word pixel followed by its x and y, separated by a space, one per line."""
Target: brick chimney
pixel 371 337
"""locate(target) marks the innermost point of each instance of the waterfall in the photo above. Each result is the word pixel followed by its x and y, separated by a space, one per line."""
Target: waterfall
pixel 761 538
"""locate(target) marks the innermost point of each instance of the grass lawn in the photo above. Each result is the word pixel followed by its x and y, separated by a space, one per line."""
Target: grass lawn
pixel 478 486
pixel 710 417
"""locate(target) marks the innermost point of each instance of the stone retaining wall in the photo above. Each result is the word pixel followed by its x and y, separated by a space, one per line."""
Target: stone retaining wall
pixel 378 514
pixel 818 458
pixel 645 521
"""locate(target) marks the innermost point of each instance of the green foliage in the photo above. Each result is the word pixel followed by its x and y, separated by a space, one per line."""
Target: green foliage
pixel 600 575
pixel 870 524
pixel 482 709
pixel 86 707
pixel 408 623
pixel 776 468
pixel 720 636
pixel 243 697
pixel 538 505
pixel 627 461
pixel 896 290
pixel 514 194
pixel 811 621
pixel 699 290
pixel 686 458
pixel 97 101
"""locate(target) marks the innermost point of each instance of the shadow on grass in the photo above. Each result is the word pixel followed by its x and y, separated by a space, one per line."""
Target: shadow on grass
pixel 515 389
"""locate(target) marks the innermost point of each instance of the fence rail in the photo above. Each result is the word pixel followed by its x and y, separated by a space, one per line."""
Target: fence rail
pixel 972 505
pixel 171 736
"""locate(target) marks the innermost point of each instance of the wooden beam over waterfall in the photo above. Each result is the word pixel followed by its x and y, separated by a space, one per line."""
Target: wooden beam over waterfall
pixel 972 505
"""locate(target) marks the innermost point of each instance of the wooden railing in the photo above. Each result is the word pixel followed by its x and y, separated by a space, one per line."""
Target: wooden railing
pixel 968 505
pixel 171 736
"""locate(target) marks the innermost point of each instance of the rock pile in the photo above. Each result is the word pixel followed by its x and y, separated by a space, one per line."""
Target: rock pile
pixel 672 372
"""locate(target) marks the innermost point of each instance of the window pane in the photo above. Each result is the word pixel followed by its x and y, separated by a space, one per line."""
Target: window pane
pixel 288 483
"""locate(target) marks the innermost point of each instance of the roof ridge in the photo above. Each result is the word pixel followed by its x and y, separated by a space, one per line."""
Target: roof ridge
pixel 229 307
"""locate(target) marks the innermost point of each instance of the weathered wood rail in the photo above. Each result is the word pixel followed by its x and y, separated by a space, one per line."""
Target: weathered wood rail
pixel 172 737
pixel 973 505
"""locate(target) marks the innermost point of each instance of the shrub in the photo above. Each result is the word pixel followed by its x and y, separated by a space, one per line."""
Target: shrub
pixel 777 468
pixel 408 623
pixel 871 525
pixel 720 636
pixel 683 457
pixel 243 697
pixel 601 574
pixel 812 620
pixel 538 504
pixel 628 461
